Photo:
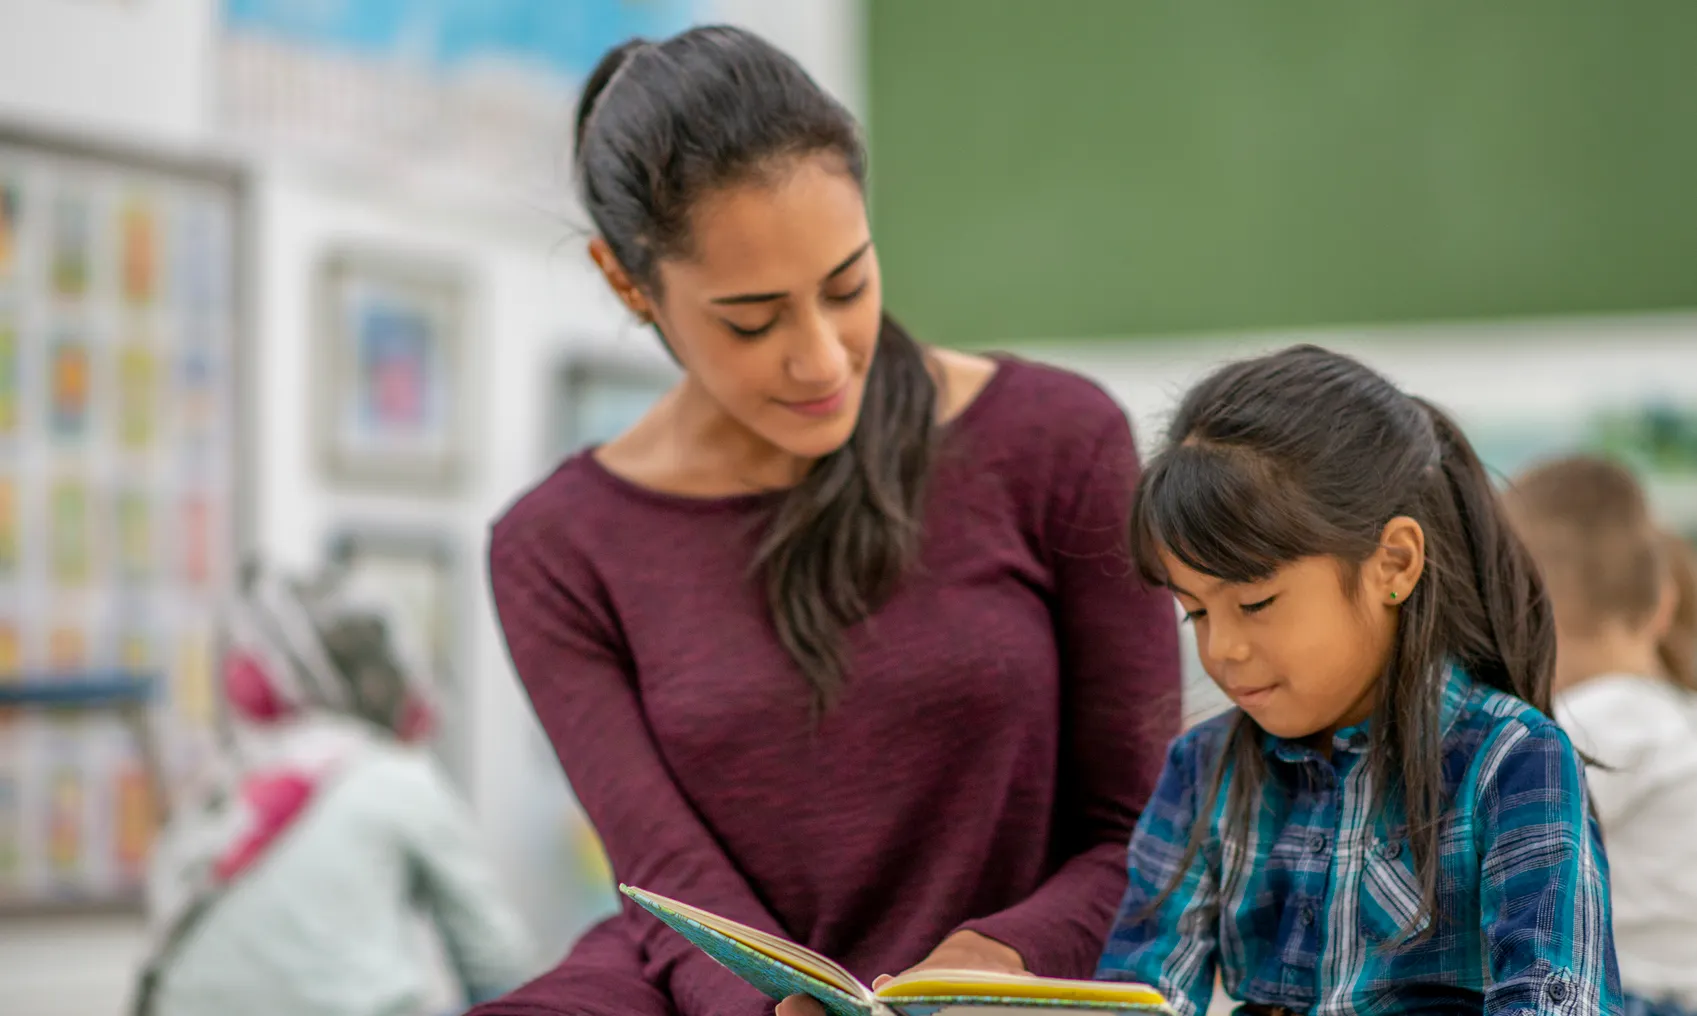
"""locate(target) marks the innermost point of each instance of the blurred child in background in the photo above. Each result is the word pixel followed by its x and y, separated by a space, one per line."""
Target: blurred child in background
pixel 1626 692
pixel 297 891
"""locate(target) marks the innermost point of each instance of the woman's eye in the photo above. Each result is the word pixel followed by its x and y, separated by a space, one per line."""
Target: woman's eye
pixel 1191 616
pixel 849 297
pixel 1258 605
pixel 750 333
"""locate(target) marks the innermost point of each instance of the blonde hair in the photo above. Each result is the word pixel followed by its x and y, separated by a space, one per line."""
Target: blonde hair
pixel 1678 648
pixel 1588 524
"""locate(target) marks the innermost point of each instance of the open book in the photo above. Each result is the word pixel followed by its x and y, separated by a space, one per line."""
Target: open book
pixel 781 968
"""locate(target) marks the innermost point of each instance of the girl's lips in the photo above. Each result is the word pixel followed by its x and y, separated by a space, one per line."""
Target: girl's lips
pixel 1251 696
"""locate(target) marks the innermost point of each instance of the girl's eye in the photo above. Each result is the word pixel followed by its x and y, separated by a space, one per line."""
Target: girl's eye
pixel 750 333
pixel 848 297
pixel 1258 606
pixel 1191 616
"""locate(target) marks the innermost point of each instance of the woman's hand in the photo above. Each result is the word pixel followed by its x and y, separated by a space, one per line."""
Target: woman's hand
pixel 964 950
pixel 968 950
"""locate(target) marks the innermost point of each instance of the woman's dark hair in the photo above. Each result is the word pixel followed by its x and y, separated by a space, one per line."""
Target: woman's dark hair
pixel 1304 453
pixel 659 127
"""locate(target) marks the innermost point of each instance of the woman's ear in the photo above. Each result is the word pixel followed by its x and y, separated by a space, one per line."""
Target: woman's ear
pixel 1393 571
pixel 623 285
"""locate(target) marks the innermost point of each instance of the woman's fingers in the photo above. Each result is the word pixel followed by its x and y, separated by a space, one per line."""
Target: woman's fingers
pixel 800 1005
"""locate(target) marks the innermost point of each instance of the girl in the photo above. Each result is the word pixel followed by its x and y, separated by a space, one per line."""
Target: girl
pixel 1626 692
pixel 832 641
pixel 1388 822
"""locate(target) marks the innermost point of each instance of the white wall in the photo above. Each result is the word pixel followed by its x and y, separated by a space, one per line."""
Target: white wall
pixel 133 68
pixel 1482 371
pixel 142 73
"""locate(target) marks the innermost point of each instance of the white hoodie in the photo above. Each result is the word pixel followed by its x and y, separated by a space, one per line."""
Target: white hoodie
pixel 1645 730
pixel 323 923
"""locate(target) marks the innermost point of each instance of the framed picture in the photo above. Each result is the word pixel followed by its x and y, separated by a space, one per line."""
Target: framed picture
pixel 597 396
pixel 393 408
pixel 414 577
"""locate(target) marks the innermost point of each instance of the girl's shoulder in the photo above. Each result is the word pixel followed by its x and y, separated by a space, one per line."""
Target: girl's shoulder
pixel 1503 745
pixel 1492 717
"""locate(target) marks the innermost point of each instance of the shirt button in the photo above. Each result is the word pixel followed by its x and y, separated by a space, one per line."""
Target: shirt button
pixel 1390 850
pixel 1557 990
pixel 1317 843
pixel 1306 916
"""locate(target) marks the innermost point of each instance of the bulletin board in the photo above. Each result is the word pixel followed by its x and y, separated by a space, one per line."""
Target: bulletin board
pixel 120 309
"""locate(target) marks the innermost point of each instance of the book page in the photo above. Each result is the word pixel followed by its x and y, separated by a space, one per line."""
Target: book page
pixel 985 984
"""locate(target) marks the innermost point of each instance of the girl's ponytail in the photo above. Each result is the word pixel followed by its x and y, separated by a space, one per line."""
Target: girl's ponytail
pixel 1502 630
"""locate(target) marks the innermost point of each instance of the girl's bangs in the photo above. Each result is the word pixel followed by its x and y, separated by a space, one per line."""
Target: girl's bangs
pixel 1219 511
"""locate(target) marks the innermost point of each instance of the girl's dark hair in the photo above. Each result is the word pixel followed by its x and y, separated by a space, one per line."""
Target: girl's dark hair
pixel 1307 452
pixel 659 127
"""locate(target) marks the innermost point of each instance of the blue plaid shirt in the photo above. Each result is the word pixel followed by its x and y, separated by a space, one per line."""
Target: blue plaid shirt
pixel 1307 910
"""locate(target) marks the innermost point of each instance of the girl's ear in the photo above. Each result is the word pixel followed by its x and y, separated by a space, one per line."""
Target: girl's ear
pixel 1392 572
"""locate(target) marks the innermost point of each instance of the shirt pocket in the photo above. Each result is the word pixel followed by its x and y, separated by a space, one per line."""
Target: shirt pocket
pixel 1391 902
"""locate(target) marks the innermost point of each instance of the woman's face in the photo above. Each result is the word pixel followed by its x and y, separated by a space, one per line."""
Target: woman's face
pixel 774 311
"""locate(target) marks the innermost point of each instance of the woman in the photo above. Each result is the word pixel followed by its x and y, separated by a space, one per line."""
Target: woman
pixel 840 640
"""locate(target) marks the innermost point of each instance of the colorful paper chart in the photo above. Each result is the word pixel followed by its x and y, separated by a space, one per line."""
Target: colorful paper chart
pixel 11 650
pixel 10 528
pixel 138 394
pixel 134 820
pixel 71 540
pixel 11 207
pixel 140 246
pixel 133 514
pixel 11 830
pixel 118 321
pixel 73 239
pixel 11 411
pixel 69 385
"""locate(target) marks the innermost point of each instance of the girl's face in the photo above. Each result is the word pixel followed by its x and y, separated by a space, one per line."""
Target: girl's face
pixel 1302 651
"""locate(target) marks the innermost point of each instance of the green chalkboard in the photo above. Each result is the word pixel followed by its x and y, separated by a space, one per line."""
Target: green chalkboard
pixel 1104 168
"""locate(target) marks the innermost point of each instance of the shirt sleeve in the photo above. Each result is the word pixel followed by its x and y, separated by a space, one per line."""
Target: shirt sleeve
pixel 603 977
pixel 563 646
pixel 1118 643
pixel 1172 946
pixel 1543 881
pixel 484 936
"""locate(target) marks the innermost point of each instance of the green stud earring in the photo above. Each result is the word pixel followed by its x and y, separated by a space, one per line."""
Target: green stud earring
pixel 1393 596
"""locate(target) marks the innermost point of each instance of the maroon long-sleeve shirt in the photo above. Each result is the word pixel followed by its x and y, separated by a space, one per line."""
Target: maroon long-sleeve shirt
pixel 1004 721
